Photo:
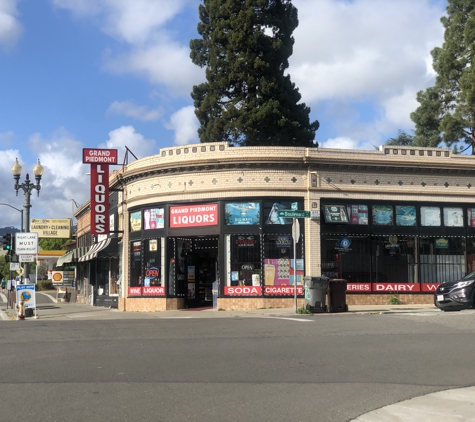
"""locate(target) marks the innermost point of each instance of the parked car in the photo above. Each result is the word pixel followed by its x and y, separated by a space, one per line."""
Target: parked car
pixel 456 295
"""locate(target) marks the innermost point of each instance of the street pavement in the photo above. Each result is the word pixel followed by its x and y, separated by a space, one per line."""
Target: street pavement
pixel 444 406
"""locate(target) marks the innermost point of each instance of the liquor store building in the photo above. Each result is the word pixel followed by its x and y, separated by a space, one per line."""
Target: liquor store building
pixel 203 219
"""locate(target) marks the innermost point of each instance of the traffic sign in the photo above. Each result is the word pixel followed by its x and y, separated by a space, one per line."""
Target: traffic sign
pixel 27 258
pixel 14 266
pixel 293 214
pixel 26 243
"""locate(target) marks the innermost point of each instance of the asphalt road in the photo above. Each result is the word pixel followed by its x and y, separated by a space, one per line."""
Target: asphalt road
pixel 229 369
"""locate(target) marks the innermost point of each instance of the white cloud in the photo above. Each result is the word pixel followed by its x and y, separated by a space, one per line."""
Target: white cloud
pixel 126 136
pixel 185 124
pixel 134 22
pixel 339 143
pixel 10 27
pixel 128 108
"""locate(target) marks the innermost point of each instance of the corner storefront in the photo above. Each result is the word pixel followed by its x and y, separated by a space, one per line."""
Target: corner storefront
pixel 393 221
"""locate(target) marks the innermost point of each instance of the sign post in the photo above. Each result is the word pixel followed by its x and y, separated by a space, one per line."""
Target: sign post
pixel 294 214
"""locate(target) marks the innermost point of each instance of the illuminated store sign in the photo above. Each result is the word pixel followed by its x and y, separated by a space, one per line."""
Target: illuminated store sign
pixel 194 215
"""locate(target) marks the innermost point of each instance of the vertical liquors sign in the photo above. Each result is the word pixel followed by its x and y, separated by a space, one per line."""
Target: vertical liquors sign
pixel 99 159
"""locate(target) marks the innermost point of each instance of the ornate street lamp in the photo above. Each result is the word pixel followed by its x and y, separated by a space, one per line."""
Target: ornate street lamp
pixel 27 187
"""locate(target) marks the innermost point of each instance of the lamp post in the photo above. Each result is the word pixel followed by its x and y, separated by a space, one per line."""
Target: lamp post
pixel 27 187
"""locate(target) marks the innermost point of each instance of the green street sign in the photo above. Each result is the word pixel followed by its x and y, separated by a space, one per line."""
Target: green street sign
pixel 293 214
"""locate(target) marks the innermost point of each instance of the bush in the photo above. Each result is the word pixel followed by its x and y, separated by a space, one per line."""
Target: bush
pixel 303 310
pixel 394 300
pixel 45 285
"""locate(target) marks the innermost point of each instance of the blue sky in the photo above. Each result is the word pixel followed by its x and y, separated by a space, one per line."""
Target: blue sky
pixel 112 73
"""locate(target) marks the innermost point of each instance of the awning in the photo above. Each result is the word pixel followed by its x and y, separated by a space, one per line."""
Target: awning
pixel 72 256
pixel 103 249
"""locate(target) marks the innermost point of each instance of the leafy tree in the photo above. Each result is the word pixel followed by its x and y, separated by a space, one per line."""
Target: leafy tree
pixel 402 139
pixel 247 99
pixel 52 244
pixel 447 110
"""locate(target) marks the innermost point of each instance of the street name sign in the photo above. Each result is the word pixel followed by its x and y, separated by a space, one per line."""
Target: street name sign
pixel 26 243
pixel 293 214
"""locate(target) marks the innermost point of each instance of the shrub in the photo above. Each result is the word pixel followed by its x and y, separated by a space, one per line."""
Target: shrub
pixel 394 300
pixel 45 285
pixel 303 310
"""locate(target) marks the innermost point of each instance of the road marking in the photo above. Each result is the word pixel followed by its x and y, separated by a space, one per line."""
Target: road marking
pixel 291 319
pixel 4 298
pixel 48 296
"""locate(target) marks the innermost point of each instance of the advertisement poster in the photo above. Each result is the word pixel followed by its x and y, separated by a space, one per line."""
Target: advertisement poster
pixel 471 217
pixel 191 273
pixel 280 272
pixel 335 214
pixel 358 214
pixel 152 245
pixel 383 215
pixel 26 293
pixel 430 216
pixel 191 290
pixel 453 217
pixel 137 248
pixel 405 215
pixel 273 216
pixel 242 213
pixel 135 221
pixel 153 219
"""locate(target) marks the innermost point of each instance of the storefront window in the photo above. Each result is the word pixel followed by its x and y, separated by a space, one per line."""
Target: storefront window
pixel 335 214
pixel 357 214
pixel 430 216
pixel 153 218
pixel 245 260
pixel 471 217
pixel 442 259
pixel 383 215
pixel 242 214
pixel 453 217
pixel 135 221
pixel 152 266
pixel 271 212
pixel 279 267
pixel 406 215
pixel 135 277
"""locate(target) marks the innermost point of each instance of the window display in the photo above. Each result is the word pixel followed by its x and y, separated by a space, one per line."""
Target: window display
pixel 383 215
pixel 335 214
pixel 405 215
pixel 242 213
pixel 153 219
pixel 453 217
pixel 430 216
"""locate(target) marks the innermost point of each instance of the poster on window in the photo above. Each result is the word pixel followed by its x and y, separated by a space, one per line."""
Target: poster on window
pixel 405 215
pixel 137 249
pixel 242 214
pixel 280 272
pixel 453 217
pixel 383 215
pixel 135 221
pixel 358 214
pixel 191 290
pixel 335 214
pixel 430 216
pixel 153 218
pixel 273 215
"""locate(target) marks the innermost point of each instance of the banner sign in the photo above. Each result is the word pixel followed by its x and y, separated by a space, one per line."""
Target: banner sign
pixel 26 292
pixel 99 160
pixel 194 215
pixel 391 287
pixel 58 228
pixel 99 156
pixel 99 199
pixel 147 291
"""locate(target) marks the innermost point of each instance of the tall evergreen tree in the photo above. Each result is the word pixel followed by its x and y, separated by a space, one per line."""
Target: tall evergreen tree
pixel 402 139
pixel 247 99
pixel 447 110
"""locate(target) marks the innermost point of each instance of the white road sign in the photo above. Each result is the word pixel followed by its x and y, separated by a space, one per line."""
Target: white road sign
pixel 27 258
pixel 26 243
pixel 14 266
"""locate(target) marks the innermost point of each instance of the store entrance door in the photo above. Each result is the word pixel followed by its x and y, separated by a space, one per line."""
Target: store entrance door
pixel 202 271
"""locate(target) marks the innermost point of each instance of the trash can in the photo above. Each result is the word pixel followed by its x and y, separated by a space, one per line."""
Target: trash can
pixel 316 293
pixel 28 312
pixel 337 295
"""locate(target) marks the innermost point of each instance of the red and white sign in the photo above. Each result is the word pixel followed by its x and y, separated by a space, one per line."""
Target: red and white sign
pixel 396 287
pixel 135 291
pixel 153 291
pixel 147 291
pixel 197 215
pixel 282 290
pixel 242 290
pixel 358 287
pixel 99 156
pixel 100 199
pixel 430 287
